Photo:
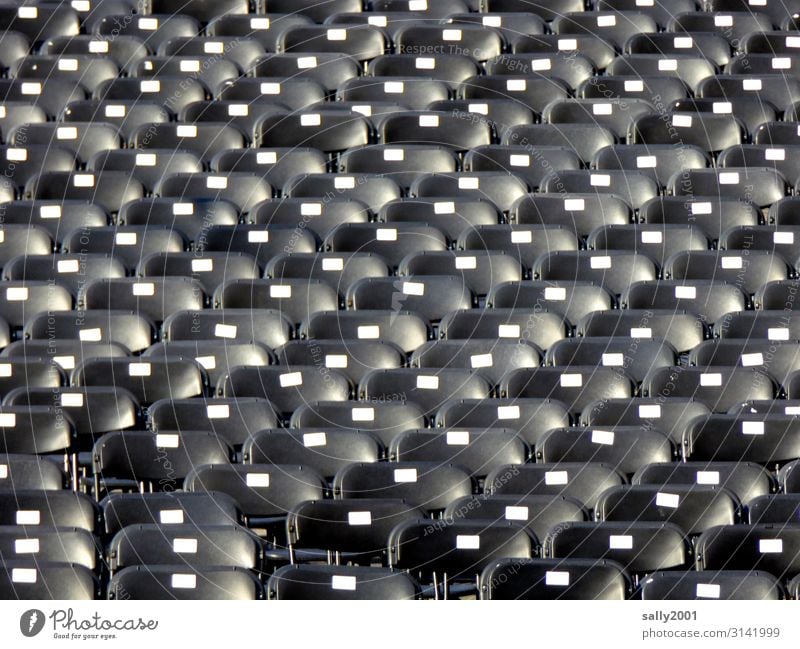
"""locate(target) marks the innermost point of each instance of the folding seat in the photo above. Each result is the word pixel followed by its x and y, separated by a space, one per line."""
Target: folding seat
pixel 128 244
pixel 546 10
pixel 717 387
pixel 747 270
pixel 679 329
pixel 576 387
pixel 270 328
pixel 147 168
pixel 428 389
pixel 449 216
pixel 614 270
pixel 353 358
pixel 86 71
pixel 766 439
pixel 127 115
pixel 34 370
pixel 538 326
pixel 287 390
pixel 340 271
pixel 16 113
pixel 15 47
pixel 204 140
pixel 778 12
pixel 660 90
pixel 634 187
pixel 40 22
pixel 161 460
pixel 153 30
pixel 478 450
pixel 584 139
pixel 81 139
pixel 614 351
pixel 376 111
pixel 530 418
pixel 570 67
pixel 534 92
pixel 776 133
pixel 722 584
pixel 244 190
pixel 328 131
pixel 639 547
pixel 706 45
pixel 393 242
pixel 185 545
pixel 761 185
pixel 8 192
pixel 148 380
pixel 65 354
pixel 49 95
pixel 533 166
pixel 127 328
pixel 19 164
pixel 109 190
pixel 217 357
pixel 27 579
pixel 275 165
pixel 584 481
pixel 758 63
pixel 658 242
pixel 328 69
pixel 523 242
pixel 296 299
pixel 778 89
pixel 65 509
pixel 554 579
pixel 582 213
pixel 406 329
pixel 442 129
pixel 758 326
pixel 67 271
pixel 501 188
pixel 615 115
pixel 232 420
pixel 788 478
pixel 21 301
pixel 374 190
pixel 670 415
pixel 775 406
pixel 154 297
pixel 491 358
pixel 784 212
pixel 692 69
pixel 173 92
pixel 325 451
pixel 414 92
pixel 693 509
pixel 658 161
pixel 768 42
pixel 34 430
pixel 776 509
pixel 598 51
pixel 626 448
pixel 122 50
pixel 29 472
pixel 296 94
pixel 774 549
pixel 746 480
pixel 90 410
pixel 389 21
pixel 781 159
pixel 242 52
pixel 260 242
pixel 361 42
pixel 710 133
pixel 479 271
pixel 259 490
pixel 713 214
pixel 184 583
pixel 732 25
pixel 481 42
pixel 192 218
pixel 209 269
pixel 243 116
pixel 748 109
pixel 614 26
pixel 264 28
pixel 319 582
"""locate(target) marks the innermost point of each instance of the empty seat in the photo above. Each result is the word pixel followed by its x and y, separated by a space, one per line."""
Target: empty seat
pixel 713 214
pixel 153 582
pixel 155 298
pixel 709 299
pixel 681 330
pixel 770 439
pixel 341 583
pixel 723 584
pixel 747 272
pixel 374 190
pixel 582 213
pixel 132 330
pixel 26 579
pixel 540 327
pixel 60 509
pixel 572 300
pixel 405 329
pixel 614 26
pixel 265 326
pixel 29 472
pixel 769 548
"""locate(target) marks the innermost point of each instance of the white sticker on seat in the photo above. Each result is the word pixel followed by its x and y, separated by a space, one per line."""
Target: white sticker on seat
pixel 752 360
pixel 686 292
pixel 481 109
pixel 574 204
pixel 553 478
pixel 468 542
pixel 707 477
pixel 783 237
pixel 667 65
pixel 646 162
pixel 508 412
pixel 394 155
pixel 792 41
pixel 641 332
pixel 571 380
pixel 368 332
pixel 190 65
pixel 413 288
pixel 202 265
pixel 393 87
pixel 444 207
pixel 466 263
pixel 540 65
pixel 24 575
pixel 336 361
pixel 218 411
pixel 280 291
pixel 723 21
pixel 257 480
pixel 476 361
pixel 777 333
pixel 427 382
pixel 186 130
pixel 362 414
pixel 700 208
pixel 603 437
pixel 620 542
pixel 65 362
pixel 492 21
pixel 170 517
pixel 405 475
pixel 182 209
pixel 682 42
pixel 602 109
pixel 225 331
pixel 184 546
pixel 150 85
pixel 3 471
pixel 451 34
pixel 168 440
pixel 206 362
pixel 457 438
pixel 332 265
pixel 26 546
pixel 729 178
pixel 336 34
pixel 606 21
pixel 730 262
pixel 516 85
pixel 217 182
pixel 17 155
pixel 555 293
pixel 311 119
pixel 517 160
pixel 518 513
pixel 183 581
pixel 525 236
pixel 259 23
pixel 31 88
pixel 752 428
pixel 306 62
pixel 707 591
pixel 711 380
pixel 770 546
pixel 17 294
pixel 650 411
pixel 567 44
pixel 28 517
pixel 27 13
pixel 601 262
pixel 90 335
pixel 270 88
pixel 146 160
pixel 682 121
pixel 672 501
pixel 139 369
pixel 312 440
pixel 650 236
pixel 143 289
pixel 359 518
pixel 6 370
pixel 469 183
pixel 50 212
pixel 258 236
pixel 599 180
pixel 634 85
pixel 722 107
pixel 266 157
pixel 751 84
pixel 291 379
pixel 613 360
pixel 386 234
pixel 83 180
pixel 343 582
pixel 115 110
pixel 508 331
